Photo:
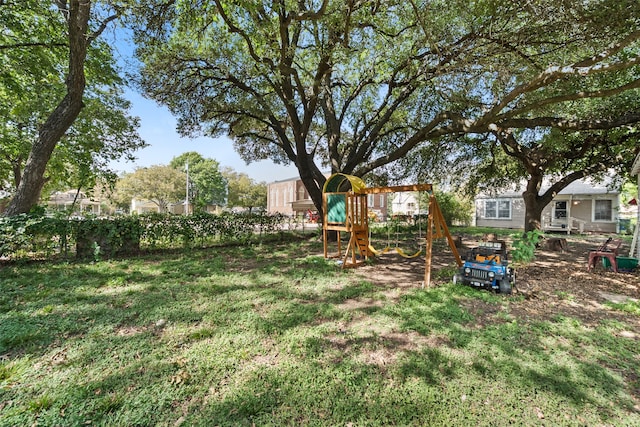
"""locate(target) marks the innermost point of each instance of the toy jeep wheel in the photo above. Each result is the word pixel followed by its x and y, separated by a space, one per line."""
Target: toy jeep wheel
pixel 505 287
pixel 457 279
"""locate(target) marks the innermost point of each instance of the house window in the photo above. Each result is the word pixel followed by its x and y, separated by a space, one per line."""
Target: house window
pixel 370 200
pixel 382 200
pixel 560 210
pixel 602 210
pixel 497 209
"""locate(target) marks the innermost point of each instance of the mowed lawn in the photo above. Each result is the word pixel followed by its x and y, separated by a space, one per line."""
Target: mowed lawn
pixel 276 335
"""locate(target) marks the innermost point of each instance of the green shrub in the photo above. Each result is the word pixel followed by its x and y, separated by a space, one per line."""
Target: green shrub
pixel 454 209
pixel 35 235
pixel 524 246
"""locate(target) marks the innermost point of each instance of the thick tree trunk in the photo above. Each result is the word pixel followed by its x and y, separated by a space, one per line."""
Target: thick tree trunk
pixel 61 119
pixel 533 203
pixel 313 180
pixel 28 192
pixel 533 211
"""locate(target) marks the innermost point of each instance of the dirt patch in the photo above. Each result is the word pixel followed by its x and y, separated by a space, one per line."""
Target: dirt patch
pixel 556 283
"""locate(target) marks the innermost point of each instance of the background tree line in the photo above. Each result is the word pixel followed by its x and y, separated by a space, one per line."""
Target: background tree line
pixel 209 186
pixel 480 94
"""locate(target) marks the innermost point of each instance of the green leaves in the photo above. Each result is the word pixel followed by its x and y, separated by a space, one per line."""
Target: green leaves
pixel 244 192
pixel 360 86
pixel 159 184
pixel 207 186
pixel 32 235
pixel 35 66
pixel 524 246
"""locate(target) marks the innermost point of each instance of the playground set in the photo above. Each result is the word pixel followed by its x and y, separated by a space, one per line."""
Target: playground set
pixel 344 202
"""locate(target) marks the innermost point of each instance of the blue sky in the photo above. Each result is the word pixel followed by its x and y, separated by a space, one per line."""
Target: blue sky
pixel 158 129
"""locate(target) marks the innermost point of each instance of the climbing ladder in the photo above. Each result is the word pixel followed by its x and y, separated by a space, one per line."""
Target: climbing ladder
pixel 358 247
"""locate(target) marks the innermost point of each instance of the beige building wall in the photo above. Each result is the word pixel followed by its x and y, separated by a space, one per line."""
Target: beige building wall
pixel 514 219
pixel 580 208
pixel 281 194
pixel 65 199
pixel 284 196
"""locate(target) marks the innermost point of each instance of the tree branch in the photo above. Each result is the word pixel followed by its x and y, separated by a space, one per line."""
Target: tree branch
pixel 583 68
pixel 33 44
pixel 312 15
pixel 567 124
pixel 571 97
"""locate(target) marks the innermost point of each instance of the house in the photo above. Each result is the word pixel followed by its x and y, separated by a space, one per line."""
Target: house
pixel 140 206
pixel 405 203
pixel 63 200
pixel 583 206
pixel 377 206
pixel 290 197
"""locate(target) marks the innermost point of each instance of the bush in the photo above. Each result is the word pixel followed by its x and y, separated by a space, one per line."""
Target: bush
pixel 524 246
pixel 454 209
pixel 36 235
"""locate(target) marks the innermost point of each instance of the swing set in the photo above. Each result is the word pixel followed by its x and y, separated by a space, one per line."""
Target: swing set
pixel 344 202
pixel 396 248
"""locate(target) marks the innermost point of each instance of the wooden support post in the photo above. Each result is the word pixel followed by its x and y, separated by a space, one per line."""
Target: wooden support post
pixel 324 239
pixel 444 231
pixel 429 243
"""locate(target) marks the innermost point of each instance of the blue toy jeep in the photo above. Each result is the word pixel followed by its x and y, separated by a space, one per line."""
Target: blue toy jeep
pixel 486 266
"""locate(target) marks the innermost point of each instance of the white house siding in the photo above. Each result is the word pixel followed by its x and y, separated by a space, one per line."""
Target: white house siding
pixel 579 206
pixel 516 219
pixel 405 203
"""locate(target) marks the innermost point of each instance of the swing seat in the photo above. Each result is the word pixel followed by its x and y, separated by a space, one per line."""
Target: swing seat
pixel 379 252
pixel 399 251
pixel 405 255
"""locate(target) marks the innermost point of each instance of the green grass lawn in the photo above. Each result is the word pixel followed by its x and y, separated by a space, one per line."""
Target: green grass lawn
pixel 269 335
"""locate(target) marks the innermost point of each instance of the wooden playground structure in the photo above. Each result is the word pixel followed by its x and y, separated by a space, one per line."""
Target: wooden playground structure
pixel 344 203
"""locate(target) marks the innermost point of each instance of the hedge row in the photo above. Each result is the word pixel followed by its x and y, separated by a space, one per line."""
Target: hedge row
pixel 37 236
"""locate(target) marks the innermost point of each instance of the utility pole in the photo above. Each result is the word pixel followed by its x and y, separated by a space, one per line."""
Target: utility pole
pixel 186 200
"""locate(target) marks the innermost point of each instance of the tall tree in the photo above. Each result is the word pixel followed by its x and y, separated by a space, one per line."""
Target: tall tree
pixel 207 186
pixel 161 185
pixel 243 191
pixel 38 33
pixel 541 162
pixel 356 86
pixel 564 158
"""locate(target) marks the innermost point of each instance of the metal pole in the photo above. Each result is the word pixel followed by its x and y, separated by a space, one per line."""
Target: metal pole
pixel 186 200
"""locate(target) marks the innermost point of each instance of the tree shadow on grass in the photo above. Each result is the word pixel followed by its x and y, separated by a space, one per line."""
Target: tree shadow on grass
pixel 513 352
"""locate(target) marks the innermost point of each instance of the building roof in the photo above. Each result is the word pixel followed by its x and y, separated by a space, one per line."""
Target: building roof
pixel 295 178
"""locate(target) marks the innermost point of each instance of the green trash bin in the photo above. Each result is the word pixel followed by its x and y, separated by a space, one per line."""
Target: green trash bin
pixel 624 263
